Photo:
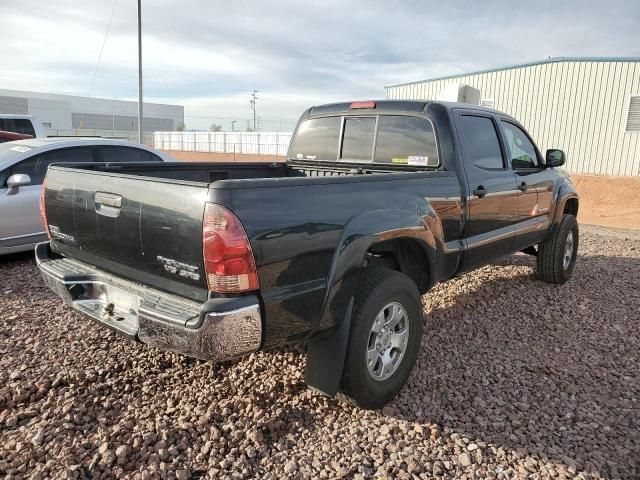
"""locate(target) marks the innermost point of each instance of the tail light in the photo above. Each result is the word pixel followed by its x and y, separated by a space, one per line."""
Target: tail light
pixel 228 260
pixel 367 104
pixel 43 211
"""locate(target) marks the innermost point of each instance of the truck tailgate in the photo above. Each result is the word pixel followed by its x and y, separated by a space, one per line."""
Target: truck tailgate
pixel 147 230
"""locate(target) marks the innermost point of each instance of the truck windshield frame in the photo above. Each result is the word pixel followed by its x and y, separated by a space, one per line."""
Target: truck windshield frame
pixel 342 155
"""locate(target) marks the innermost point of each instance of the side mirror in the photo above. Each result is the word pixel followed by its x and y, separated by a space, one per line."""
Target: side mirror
pixel 554 158
pixel 14 182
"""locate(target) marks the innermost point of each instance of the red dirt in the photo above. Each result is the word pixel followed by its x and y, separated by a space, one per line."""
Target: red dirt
pixel 604 200
pixel 609 201
pixel 221 157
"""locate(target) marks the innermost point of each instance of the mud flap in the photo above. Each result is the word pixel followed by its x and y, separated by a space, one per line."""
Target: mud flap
pixel 325 358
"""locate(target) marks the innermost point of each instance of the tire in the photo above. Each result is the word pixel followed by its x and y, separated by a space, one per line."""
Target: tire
pixel 379 294
pixel 554 265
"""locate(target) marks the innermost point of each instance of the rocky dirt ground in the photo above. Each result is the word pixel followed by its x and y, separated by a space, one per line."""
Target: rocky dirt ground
pixel 516 379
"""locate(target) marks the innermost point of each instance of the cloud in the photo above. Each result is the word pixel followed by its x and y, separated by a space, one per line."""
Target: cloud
pixel 208 56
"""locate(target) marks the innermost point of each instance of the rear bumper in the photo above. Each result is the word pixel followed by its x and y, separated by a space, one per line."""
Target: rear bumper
pixel 218 330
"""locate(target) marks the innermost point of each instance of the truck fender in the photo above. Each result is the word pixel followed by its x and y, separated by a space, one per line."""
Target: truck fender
pixel 328 343
pixel 565 193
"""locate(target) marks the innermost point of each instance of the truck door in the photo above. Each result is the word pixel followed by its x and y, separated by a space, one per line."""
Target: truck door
pixel 491 190
pixel 534 183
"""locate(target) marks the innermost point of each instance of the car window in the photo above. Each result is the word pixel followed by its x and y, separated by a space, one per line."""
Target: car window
pixel 24 126
pixel 522 153
pixel 481 140
pixel 126 154
pixel 17 125
pixel 317 139
pixel 406 140
pixel 36 167
pixel 357 139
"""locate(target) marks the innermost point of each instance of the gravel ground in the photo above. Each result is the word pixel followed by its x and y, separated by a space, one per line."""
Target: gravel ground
pixel 515 379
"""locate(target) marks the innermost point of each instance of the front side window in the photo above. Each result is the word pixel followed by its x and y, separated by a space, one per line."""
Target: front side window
pixel 317 139
pixel 357 140
pixel 522 153
pixel 406 140
pixel 482 144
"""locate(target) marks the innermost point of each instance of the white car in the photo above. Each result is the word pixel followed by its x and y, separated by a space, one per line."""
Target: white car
pixel 23 166
pixel 26 124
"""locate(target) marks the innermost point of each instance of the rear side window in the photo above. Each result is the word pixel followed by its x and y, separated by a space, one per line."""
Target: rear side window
pixel 126 154
pixel 481 140
pixel 317 139
pixel 406 140
pixel 357 140
pixel 522 153
pixel 36 167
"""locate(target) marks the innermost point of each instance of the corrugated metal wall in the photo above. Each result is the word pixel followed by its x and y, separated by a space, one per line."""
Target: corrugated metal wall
pixel 579 106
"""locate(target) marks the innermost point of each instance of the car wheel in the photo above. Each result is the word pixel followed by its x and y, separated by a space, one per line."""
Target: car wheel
pixel 384 338
pixel 557 254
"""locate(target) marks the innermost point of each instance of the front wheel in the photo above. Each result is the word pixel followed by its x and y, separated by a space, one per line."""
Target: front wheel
pixel 557 254
pixel 384 338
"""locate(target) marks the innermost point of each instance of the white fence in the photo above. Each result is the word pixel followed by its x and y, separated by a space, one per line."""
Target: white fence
pixel 256 143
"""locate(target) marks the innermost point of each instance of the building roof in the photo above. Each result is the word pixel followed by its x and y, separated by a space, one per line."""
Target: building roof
pixel 522 65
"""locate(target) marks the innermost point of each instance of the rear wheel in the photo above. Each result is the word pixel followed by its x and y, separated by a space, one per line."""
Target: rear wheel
pixel 384 338
pixel 557 254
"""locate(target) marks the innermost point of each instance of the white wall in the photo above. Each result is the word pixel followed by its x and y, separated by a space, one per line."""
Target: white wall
pixel 57 109
pixel 257 143
pixel 55 112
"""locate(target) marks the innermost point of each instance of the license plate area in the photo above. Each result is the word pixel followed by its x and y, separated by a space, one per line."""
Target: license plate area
pixel 110 305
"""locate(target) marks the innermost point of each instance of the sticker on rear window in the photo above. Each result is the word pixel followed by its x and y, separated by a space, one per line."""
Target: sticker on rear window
pixel 400 160
pixel 418 161
pixel 20 149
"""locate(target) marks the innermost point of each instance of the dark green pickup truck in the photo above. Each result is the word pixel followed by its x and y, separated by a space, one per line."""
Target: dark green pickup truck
pixel 375 203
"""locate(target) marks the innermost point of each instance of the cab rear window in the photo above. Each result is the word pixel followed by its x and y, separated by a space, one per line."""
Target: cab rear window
pixel 406 140
pixel 357 139
pixel 317 139
pixel 385 139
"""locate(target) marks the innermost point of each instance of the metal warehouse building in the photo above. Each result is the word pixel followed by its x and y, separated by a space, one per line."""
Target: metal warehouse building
pixel 589 107
pixel 61 113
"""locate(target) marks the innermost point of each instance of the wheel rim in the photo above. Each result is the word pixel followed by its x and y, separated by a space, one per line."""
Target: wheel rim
pixel 388 340
pixel 568 251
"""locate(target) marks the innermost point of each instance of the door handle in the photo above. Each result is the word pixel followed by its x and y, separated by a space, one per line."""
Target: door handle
pixel 523 187
pixel 108 204
pixel 108 199
pixel 480 191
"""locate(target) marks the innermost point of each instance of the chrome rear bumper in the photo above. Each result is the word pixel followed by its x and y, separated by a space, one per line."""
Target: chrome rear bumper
pixel 214 331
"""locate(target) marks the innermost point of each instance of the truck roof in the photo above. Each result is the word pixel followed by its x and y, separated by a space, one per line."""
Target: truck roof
pixel 408 106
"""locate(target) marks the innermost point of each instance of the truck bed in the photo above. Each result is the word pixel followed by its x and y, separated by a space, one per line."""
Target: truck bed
pixel 210 172
pixel 144 222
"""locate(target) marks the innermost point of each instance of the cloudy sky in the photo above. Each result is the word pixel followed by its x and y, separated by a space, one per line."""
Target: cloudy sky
pixel 209 55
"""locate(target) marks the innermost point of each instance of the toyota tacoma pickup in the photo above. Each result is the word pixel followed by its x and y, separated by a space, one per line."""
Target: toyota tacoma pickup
pixel 376 202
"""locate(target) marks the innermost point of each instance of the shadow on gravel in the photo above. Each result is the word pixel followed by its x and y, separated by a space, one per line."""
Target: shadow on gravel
pixel 15 258
pixel 546 370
